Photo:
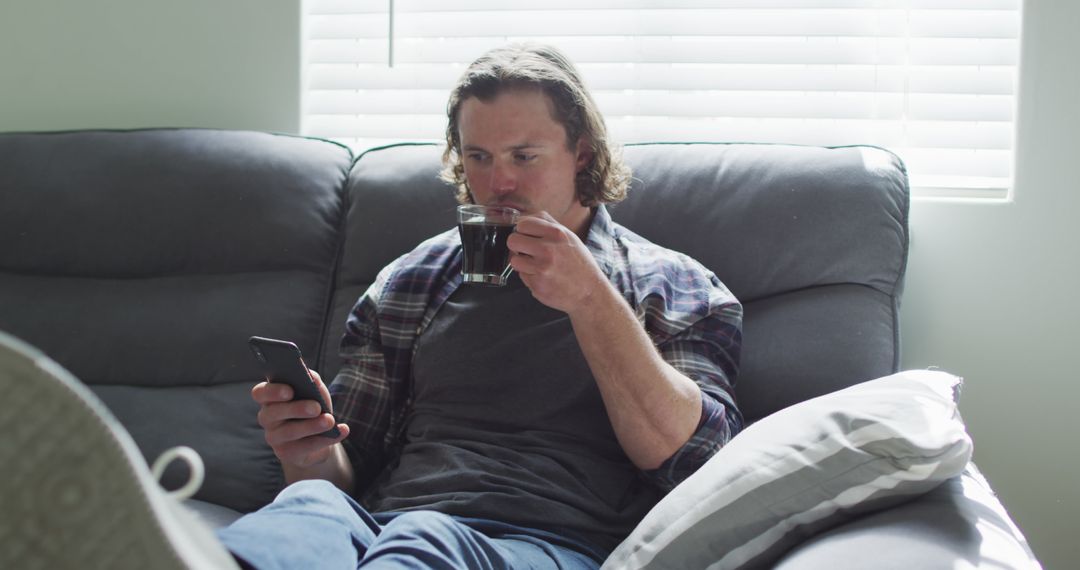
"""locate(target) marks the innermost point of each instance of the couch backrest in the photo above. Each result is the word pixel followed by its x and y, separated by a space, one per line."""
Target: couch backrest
pixel 143 260
pixel 813 241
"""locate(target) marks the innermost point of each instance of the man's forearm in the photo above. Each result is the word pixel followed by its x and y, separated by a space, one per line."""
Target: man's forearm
pixel 653 408
pixel 337 469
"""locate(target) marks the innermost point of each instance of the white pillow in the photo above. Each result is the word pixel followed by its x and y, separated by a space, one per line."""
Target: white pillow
pixel 805 469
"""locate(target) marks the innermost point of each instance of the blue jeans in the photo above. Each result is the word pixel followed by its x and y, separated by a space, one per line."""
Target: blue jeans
pixel 312 524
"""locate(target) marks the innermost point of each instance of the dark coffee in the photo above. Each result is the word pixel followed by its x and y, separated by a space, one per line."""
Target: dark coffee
pixel 484 250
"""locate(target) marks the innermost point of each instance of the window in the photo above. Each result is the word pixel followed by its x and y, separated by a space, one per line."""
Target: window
pixel 932 80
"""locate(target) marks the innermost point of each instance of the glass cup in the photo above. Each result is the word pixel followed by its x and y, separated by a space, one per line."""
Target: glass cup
pixel 484 229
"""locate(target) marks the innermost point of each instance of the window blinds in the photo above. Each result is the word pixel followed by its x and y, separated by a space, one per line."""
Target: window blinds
pixel 932 80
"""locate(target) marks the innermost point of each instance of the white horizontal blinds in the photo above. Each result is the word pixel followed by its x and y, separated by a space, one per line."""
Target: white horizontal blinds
pixel 933 80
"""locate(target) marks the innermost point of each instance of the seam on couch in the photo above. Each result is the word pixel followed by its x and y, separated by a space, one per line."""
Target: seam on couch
pixel 745 300
pixel 332 285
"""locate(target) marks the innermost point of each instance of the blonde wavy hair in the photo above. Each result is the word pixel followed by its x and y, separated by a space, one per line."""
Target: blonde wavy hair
pixel 604 180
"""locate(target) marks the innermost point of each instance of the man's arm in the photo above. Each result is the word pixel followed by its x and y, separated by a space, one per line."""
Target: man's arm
pixel 336 469
pixel 654 409
pixel 707 351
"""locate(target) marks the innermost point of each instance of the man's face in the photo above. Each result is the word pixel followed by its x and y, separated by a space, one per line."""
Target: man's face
pixel 515 154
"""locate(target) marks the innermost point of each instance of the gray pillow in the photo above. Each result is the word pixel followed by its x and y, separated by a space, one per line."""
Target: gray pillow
pixel 805 469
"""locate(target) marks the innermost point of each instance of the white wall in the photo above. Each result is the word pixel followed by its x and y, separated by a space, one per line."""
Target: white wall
pixel 992 295
pixel 991 287
pixel 71 64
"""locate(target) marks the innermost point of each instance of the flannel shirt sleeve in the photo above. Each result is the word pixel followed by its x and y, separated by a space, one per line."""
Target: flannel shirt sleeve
pixel 707 352
pixel 362 393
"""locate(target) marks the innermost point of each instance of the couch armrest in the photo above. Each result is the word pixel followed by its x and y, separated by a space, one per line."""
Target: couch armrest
pixel 960 521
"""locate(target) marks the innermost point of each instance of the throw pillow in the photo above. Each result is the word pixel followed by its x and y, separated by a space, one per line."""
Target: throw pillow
pixel 804 469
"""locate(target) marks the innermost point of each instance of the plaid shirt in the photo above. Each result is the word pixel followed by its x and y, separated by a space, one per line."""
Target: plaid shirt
pixel 691 317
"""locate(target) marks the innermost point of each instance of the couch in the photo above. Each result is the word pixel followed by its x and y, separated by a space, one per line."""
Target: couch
pixel 143 260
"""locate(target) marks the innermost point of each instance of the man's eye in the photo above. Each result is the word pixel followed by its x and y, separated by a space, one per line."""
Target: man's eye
pixel 524 157
pixel 476 156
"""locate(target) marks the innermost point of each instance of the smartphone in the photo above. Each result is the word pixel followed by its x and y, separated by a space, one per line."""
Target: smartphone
pixel 281 361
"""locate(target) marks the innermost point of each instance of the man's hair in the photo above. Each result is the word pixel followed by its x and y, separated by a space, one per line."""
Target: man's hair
pixel 527 65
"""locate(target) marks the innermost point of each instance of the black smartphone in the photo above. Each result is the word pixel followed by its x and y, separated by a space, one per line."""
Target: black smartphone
pixel 281 361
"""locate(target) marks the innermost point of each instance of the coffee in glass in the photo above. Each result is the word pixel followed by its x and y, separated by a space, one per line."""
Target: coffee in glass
pixel 484 230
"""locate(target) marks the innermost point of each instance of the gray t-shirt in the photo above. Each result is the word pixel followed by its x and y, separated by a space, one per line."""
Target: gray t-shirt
pixel 507 424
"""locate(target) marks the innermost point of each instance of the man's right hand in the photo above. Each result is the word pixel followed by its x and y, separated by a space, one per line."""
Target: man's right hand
pixel 294 431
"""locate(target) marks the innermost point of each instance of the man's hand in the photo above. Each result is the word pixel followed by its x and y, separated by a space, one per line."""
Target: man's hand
pixel 554 263
pixel 294 431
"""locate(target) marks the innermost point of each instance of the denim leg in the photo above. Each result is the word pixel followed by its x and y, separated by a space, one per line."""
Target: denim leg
pixel 311 524
pixel 433 541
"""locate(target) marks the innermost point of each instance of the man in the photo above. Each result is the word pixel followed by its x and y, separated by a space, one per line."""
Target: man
pixel 527 426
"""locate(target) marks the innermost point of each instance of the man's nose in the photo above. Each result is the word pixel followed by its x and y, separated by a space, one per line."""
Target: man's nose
pixel 503 179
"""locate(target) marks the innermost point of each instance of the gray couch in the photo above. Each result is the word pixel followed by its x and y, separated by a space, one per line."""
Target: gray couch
pixel 143 260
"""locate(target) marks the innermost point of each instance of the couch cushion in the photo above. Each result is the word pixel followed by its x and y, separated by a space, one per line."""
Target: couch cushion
pixel 771 219
pixel 242 472
pixel 803 470
pixel 143 260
